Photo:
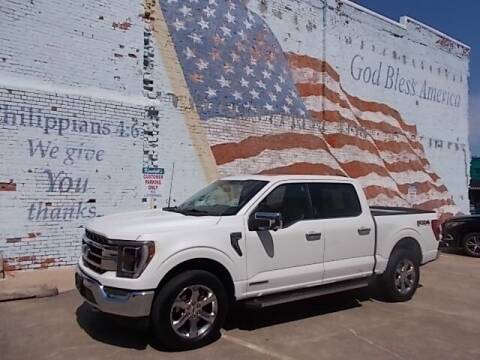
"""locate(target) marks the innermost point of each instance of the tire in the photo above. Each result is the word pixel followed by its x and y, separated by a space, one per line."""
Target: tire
pixel 400 280
pixel 175 311
pixel 471 244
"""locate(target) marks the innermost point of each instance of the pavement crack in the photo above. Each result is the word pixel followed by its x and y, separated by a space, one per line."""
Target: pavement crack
pixel 372 343
pixel 256 348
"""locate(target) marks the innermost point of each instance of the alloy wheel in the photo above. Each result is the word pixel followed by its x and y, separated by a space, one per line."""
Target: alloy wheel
pixel 194 311
pixel 473 244
pixel 405 276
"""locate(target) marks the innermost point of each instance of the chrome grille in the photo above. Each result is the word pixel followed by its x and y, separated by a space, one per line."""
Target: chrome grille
pixel 97 254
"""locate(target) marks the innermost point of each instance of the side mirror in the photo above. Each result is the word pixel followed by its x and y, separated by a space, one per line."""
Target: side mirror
pixel 262 221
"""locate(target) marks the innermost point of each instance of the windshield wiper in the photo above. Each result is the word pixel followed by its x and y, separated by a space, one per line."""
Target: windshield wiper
pixel 193 212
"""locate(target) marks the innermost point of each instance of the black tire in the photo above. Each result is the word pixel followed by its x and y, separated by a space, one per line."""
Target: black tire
pixel 471 244
pixel 163 311
pixel 391 280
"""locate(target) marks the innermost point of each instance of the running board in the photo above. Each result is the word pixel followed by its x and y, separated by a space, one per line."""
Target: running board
pixel 306 293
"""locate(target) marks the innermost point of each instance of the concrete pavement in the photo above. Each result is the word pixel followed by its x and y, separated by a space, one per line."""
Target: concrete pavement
pixel 441 322
pixel 36 283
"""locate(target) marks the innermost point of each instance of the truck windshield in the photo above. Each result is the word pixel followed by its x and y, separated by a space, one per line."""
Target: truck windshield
pixel 221 198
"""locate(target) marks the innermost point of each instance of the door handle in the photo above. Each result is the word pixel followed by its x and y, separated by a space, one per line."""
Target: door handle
pixel 364 231
pixel 313 236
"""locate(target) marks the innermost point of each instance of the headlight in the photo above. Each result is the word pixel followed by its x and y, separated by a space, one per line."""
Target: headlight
pixel 134 258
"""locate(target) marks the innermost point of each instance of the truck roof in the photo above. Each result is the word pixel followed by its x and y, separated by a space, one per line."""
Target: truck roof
pixel 289 177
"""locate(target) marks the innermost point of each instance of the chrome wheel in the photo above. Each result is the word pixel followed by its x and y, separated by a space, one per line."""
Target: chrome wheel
pixel 194 311
pixel 472 244
pixel 405 276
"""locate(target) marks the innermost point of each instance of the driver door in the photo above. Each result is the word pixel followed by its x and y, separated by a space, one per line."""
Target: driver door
pixel 292 256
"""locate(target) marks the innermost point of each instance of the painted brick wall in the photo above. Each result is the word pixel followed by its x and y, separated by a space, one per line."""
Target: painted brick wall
pixel 95 96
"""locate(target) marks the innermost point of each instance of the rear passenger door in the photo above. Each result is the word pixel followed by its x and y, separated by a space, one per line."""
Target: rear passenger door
pixel 349 230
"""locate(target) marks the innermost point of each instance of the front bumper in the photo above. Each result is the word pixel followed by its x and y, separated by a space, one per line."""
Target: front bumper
pixel 448 241
pixel 111 300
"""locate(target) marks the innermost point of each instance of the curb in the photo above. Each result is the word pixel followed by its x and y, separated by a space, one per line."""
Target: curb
pixel 30 293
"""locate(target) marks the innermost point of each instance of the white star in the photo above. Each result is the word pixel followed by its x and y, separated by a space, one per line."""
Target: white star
pixel 232 6
pixel 189 53
pixel 179 25
pixel 248 70
pixel 223 82
pixel 282 79
pixel 197 39
pixel 226 31
pixel 230 18
pixel 202 64
pixel 247 24
pixel 278 88
pixel 209 12
pixel 244 83
pixel 237 95
pixel 242 35
pixel 203 24
pixel 301 112
pixel 185 10
pixel 261 84
pixel 273 97
pixel 270 66
pixel 254 93
pixel 235 57
pixel 266 74
pixel 286 109
pixel 212 2
pixel 289 101
pixel 268 107
pixel 211 93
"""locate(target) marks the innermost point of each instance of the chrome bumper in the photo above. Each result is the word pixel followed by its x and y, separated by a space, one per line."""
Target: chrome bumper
pixel 114 301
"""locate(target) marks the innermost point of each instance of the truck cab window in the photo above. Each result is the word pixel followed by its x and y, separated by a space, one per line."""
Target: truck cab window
pixel 291 200
pixel 334 200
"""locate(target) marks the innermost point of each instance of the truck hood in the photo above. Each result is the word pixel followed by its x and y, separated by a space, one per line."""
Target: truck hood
pixel 131 225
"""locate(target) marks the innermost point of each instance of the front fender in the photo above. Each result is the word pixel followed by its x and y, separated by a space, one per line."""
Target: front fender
pixel 193 253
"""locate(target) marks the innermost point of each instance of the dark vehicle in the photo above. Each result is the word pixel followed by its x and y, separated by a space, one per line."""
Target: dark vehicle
pixel 463 233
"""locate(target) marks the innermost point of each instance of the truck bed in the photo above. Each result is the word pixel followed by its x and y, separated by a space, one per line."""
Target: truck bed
pixel 386 211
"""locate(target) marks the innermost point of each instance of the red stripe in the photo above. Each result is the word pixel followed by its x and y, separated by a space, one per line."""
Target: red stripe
pixel 373 191
pixel 254 145
pixel 303 168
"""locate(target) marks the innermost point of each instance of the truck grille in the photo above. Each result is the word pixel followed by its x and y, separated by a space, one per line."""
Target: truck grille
pixel 97 254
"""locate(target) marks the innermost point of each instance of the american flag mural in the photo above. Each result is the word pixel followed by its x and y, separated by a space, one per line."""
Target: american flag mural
pixel 273 112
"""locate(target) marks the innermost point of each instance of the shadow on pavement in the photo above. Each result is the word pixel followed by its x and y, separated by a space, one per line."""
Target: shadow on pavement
pixel 246 319
pixel 458 252
pixel 135 333
pixel 114 330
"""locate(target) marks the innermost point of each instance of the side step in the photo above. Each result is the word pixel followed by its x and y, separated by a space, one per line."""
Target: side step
pixel 306 293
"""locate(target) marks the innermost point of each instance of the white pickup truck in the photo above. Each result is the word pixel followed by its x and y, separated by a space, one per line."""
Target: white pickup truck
pixel 262 240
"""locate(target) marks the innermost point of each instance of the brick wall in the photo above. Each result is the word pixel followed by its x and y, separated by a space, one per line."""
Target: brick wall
pixel 94 99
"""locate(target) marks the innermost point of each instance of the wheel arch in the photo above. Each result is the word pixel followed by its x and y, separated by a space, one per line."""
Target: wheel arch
pixel 411 244
pixel 206 264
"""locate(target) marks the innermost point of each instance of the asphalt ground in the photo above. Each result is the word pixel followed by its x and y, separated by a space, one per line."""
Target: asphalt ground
pixel 441 322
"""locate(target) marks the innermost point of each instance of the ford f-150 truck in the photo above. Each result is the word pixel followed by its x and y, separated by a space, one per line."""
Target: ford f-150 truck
pixel 262 240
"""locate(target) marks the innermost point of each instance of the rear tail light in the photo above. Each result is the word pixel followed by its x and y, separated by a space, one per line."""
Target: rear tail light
pixel 437 229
